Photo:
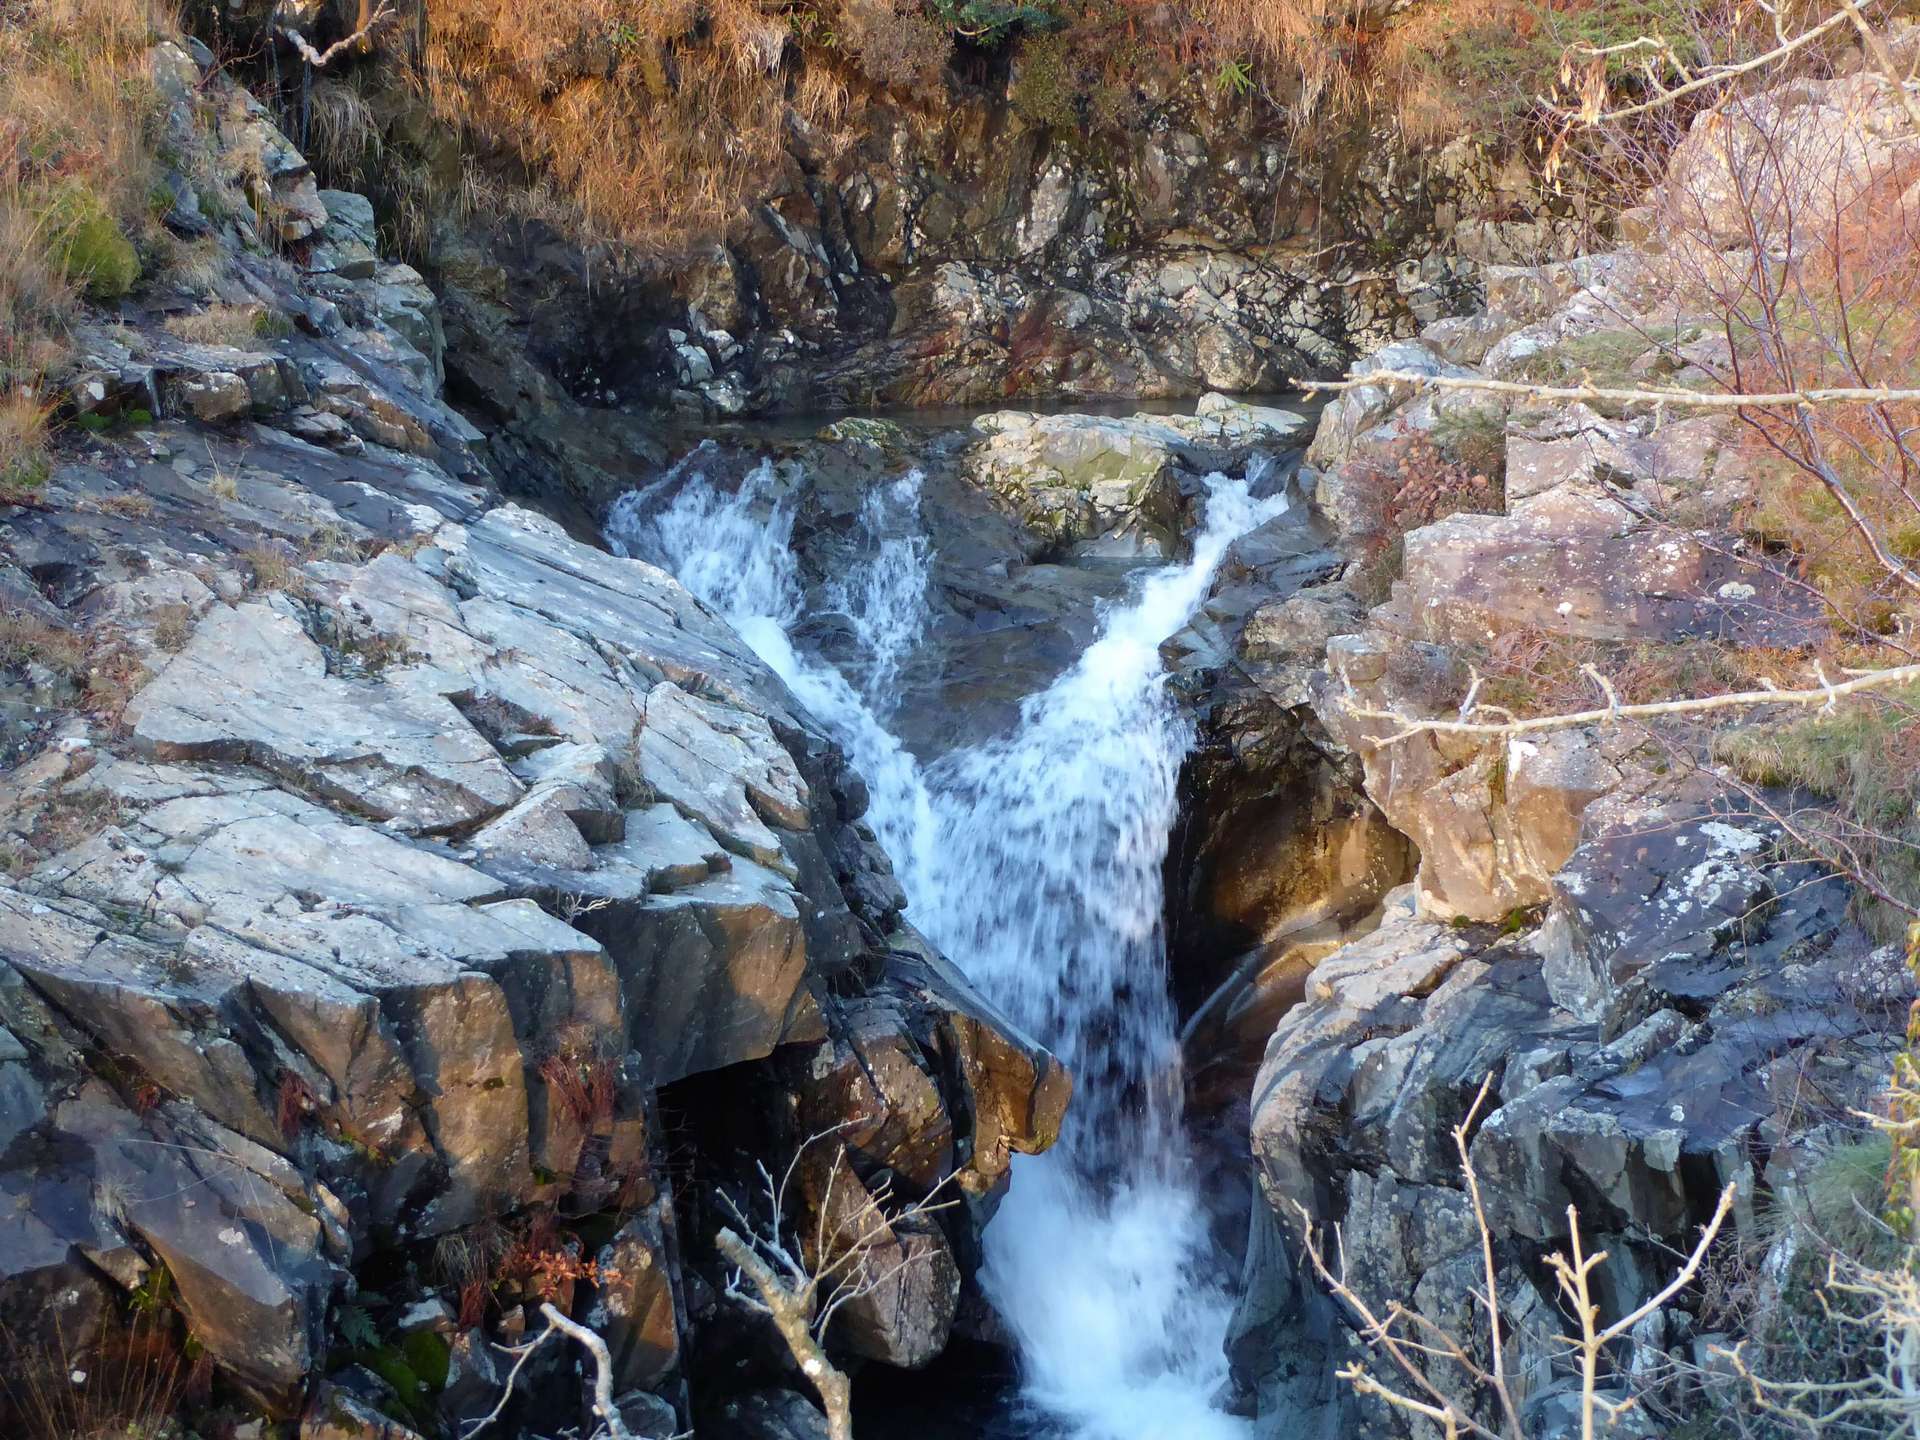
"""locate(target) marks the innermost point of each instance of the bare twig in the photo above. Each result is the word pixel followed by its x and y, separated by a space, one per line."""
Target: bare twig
pixel 1716 75
pixel 792 1313
pixel 801 1287
pixel 612 1427
pixel 1508 1410
pixel 1825 695
pixel 1630 395
pixel 319 59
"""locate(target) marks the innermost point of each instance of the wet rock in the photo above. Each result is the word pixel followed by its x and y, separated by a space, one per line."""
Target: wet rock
pixel 1015 1091
pixel 869 1084
pixel 903 1314
pixel 768 1415
pixel 1116 481
pixel 1076 478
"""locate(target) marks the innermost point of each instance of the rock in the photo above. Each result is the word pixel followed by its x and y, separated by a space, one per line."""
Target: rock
pixel 1269 424
pixel 1637 1123
pixel 870 1085
pixel 252 688
pixel 1077 478
pixel 337 1414
pixel 768 1415
pixel 1353 412
pixel 1491 822
pixel 1672 895
pixel 1719 187
pixel 1080 479
pixel 633 1309
pixel 214 397
pixel 725 770
pixel 905 1317
pixel 1013 1089
pixel 648 1417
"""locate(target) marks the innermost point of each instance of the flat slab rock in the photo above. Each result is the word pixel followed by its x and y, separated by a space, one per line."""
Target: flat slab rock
pixel 251 687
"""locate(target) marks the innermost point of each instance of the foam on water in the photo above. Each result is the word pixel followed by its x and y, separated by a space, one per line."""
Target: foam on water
pixel 1034 860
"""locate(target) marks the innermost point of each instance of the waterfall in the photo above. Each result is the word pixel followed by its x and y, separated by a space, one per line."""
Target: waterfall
pixel 1034 861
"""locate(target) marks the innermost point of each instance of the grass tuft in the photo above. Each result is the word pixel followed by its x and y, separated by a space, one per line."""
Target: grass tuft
pixel 1866 760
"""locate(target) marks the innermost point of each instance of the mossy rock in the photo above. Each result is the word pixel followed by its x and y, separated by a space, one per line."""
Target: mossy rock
pixel 88 243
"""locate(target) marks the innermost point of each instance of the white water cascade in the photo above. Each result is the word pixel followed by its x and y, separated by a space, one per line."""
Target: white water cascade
pixel 1034 861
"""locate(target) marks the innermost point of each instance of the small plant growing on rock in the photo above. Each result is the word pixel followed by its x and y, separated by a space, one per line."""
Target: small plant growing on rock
pixel 582 1083
pixel 272 567
pixel 172 626
pixel 25 418
pixel 233 326
pixel 1405 486
pixel 28 640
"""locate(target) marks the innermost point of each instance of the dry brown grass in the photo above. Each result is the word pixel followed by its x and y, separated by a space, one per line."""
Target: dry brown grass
pixel 27 640
pixel 24 418
pixel 238 327
pixel 1532 671
pixel 651 121
pixel 128 505
pixel 272 566
pixel 79 118
pixel 1412 482
pixel 1435 69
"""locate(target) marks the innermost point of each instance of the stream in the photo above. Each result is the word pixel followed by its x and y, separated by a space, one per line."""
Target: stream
pixel 1033 859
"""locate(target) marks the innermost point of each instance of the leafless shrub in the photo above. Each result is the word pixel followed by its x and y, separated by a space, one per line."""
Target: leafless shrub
pixel 1412 1342
pixel 801 1282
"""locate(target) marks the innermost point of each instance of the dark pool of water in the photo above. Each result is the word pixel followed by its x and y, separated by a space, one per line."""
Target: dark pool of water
pixel 971 1392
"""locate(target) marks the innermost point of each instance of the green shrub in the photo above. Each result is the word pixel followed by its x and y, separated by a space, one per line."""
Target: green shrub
pixel 87 242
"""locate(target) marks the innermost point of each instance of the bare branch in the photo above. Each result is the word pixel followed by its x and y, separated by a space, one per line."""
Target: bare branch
pixel 1635 395
pixel 1825 695
pixel 612 1427
pixel 319 59
pixel 1716 75
pixel 1509 1411
pixel 1424 1397
pixel 793 1318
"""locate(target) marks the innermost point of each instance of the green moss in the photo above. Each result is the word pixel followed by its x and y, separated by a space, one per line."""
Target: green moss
pixel 428 1356
pixel 88 243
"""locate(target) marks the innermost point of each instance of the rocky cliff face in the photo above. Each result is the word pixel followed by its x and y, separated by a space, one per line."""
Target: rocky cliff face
pixel 1659 999
pixel 963 251
pixel 382 853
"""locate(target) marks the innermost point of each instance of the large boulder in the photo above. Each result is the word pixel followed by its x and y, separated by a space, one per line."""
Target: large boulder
pixel 1117 480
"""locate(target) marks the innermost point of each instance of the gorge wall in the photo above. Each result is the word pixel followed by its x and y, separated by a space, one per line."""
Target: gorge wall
pixel 987 235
